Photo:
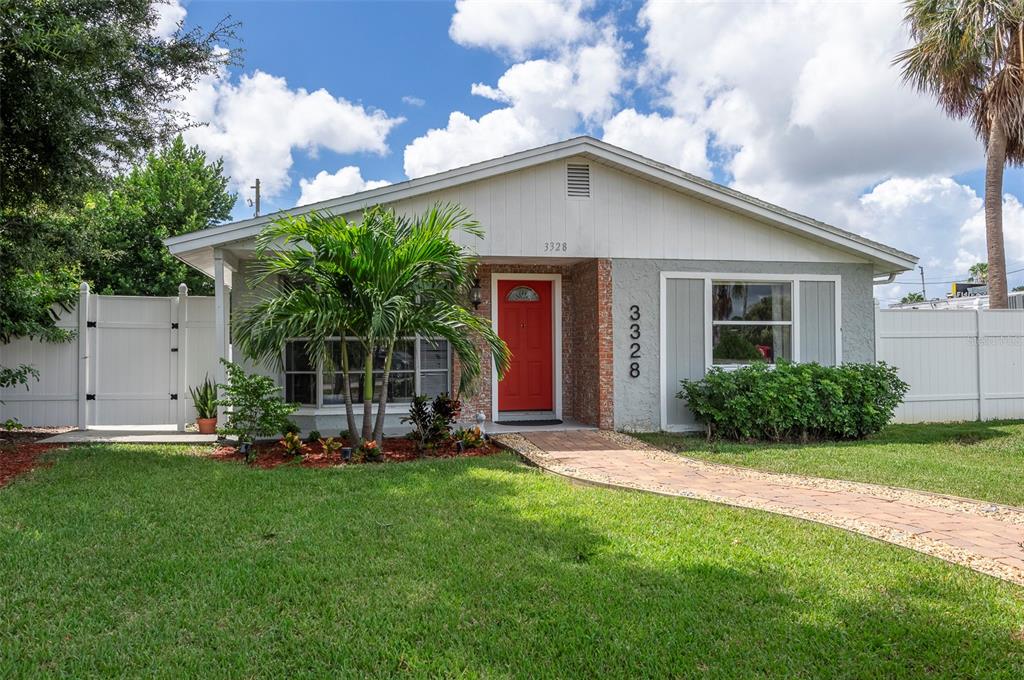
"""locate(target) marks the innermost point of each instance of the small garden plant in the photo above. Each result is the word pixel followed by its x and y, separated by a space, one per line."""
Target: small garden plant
pixel 432 421
pixel 470 437
pixel 368 452
pixel 293 444
pixel 331 446
pixel 254 406
pixel 204 397
pixel 795 402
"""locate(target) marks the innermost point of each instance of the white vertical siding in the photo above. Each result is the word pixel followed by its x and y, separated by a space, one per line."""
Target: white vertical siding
pixel 626 216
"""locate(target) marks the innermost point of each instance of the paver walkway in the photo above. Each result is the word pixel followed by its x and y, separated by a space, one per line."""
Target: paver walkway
pixel 985 537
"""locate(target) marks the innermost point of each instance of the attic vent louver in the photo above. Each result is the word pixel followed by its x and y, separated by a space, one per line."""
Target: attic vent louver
pixel 577 178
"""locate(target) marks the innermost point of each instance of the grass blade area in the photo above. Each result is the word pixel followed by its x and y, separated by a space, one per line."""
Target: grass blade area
pixel 975 460
pixel 139 561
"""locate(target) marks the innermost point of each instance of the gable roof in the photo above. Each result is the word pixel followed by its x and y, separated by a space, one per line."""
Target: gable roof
pixel 886 258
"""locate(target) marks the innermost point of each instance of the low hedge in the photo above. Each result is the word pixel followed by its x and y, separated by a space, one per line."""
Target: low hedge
pixel 795 401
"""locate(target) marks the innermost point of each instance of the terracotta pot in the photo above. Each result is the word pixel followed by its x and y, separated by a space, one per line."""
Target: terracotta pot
pixel 207 425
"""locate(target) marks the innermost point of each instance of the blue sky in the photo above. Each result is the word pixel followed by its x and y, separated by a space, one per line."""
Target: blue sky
pixel 772 99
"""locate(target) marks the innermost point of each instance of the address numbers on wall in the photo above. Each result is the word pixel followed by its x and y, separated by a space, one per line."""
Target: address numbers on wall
pixel 634 345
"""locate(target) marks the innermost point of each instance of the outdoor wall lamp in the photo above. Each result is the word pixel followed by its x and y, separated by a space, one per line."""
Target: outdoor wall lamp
pixel 474 294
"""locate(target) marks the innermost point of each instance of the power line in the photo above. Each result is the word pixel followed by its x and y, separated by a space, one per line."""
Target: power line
pixel 1012 271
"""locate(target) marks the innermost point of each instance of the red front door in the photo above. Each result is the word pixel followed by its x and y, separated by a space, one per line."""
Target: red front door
pixel 525 324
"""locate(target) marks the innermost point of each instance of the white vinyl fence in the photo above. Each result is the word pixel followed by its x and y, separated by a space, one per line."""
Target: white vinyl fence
pixel 131 363
pixel 961 364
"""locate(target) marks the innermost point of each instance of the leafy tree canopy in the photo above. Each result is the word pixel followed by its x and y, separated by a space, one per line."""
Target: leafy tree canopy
pixel 912 297
pixel 87 87
pixel 176 191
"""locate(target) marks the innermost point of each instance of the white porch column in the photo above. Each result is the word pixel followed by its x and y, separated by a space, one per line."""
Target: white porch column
pixel 222 309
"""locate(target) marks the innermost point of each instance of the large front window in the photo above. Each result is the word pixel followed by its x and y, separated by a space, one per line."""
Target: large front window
pixel 418 366
pixel 751 322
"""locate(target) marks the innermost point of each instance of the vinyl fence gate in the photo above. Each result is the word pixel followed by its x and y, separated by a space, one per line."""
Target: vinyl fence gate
pixel 130 364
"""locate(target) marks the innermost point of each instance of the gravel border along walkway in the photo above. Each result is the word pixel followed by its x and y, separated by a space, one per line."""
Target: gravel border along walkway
pixel 986 537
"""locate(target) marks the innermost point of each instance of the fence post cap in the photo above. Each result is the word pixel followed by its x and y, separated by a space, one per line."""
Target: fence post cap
pixel 182 289
pixel 84 287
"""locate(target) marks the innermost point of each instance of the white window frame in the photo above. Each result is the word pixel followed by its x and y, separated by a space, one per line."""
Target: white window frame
pixel 393 407
pixel 710 322
pixel 740 277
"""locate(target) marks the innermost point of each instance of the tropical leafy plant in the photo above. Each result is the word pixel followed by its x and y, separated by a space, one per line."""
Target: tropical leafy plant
pixel 331 445
pixel 292 444
pixel 369 451
pixel 368 283
pixel 204 397
pixel 471 437
pixel 432 420
pixel 254 405
pixel 912 297
pixel 970 55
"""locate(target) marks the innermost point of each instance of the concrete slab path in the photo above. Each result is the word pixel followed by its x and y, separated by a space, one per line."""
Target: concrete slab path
pixel 129 437
pixel 983 536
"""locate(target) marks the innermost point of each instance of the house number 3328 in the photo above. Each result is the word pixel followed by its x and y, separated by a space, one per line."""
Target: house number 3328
pixel 634 346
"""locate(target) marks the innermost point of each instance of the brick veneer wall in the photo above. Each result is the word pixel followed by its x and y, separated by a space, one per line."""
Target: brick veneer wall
pixel 586 341
pixel 592 342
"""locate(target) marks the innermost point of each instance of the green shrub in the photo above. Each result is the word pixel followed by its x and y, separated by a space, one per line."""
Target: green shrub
pixel 795 401
pixel 255 407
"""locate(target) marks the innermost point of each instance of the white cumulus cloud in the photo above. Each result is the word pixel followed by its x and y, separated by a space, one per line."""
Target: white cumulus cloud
pixel 516 27
pixel 169 14
pixel 347 180
pixel 257 123
pixel 675 141
pixel 544 100
pixel 801 97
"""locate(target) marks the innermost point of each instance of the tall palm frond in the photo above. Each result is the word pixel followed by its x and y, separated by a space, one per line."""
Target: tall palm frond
pixel 970 55
pixel 376 280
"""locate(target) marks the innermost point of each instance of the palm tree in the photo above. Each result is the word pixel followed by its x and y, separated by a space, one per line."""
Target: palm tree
pixel 970 55
pixel 912 297
pixel 979 272
pixel 374 281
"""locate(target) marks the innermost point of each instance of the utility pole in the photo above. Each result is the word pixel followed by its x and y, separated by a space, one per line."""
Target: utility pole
pixel 924 291
pixel 256 203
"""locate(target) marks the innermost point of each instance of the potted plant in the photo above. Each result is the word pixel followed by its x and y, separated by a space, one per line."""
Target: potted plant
pixel 204 397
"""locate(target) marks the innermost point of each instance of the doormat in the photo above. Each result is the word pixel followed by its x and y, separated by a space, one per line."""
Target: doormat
pixel 528 423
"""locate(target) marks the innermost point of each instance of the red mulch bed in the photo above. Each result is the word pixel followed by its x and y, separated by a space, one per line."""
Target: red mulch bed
pixel 20 453
pixel 396 450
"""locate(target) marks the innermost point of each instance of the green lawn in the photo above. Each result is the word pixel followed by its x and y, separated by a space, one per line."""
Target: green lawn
pixel 976 460
pixel 142 561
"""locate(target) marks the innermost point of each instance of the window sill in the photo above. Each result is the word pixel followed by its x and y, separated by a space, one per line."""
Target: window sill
pixel 331 410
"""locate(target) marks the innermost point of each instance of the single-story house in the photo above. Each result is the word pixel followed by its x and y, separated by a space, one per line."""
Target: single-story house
pixel 611 277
